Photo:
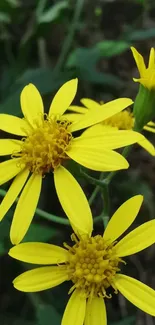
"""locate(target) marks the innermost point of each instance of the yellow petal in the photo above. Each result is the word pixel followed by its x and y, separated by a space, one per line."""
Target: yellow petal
pixel 137 240
pixel 113 139
pixel 40 279
pixel 63 98
pixel 25 209
pixel 139 61
pixel 96 312
pixel 39 253
pixel 75 310
pixel 149 128
pixel 32 105
pixel 72 117
pixel 138 80
pixel 9 169
pixel 73 201
pixel 14 125
pixel 98 130
pixel 152 59
pixel 77 109
pixel 90 103
pixel 151 123
pixel 96 158
pixel 124 217
pixel 147 82
pixel 137 292
pixel 9 146
pixel 94 117
pixel 148 146
pixel 13 192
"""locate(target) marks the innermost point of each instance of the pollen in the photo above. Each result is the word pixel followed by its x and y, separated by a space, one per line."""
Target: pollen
pixel 92 265
pixel 123 120
pixel 45 148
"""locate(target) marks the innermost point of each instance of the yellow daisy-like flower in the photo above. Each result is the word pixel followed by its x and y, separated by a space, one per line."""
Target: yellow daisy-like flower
pixel 123 120
pixel 48 141
pixel 92 263
pixel 147 75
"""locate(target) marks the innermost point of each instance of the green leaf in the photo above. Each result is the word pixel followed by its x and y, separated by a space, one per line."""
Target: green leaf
pixel 96 77
pixel 5 18
pixel 46 314
pixel 40 233
pixel 85 60
pixel 12 105
pixel 52 13
pixel 83 56
pixel 44 79
pixel 140 35
pixel 112 48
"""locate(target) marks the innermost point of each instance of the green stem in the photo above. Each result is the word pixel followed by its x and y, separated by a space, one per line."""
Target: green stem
pixel 95 191
pixel 100 182
pixel 125 153
pixel 71 31
pixel 106 201
pixel 44 214
pixel 93 195
pixel 104 185
pixel 52 217
pixel 49 216
pixel 106 205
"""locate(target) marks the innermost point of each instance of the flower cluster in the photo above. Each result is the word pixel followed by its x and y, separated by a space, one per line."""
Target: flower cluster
pixel 92 263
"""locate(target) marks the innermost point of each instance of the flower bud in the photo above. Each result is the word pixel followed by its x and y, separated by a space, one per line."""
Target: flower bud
pixel 144 106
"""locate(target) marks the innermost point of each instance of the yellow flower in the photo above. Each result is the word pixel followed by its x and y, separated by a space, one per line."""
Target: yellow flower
pixel 48 141
pixel 92 263
pixel 147 75
pixel 123 120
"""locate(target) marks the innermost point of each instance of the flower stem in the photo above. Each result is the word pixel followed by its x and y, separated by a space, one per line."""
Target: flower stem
pixel 104 185
pixel 52 217
pixel 125 153
pixel 44 214
pixel 99 183
pixel 49 216
pixel 71 31
pixel 96 190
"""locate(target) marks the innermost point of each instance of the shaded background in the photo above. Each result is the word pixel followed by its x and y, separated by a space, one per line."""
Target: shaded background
pixel 47 43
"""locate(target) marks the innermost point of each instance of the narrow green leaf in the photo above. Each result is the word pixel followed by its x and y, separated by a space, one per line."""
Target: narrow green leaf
pixel 112 48
pixel 141 34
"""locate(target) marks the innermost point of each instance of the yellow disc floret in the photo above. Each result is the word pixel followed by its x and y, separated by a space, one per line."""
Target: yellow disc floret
pixel 92 265
pixel 45 148
pixel 123 120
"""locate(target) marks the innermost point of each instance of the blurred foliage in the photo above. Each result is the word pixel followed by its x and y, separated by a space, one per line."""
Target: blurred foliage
pixel 47 43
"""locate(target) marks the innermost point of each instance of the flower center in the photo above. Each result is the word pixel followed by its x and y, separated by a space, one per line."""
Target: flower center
pixel 122 120
pixel 92 265
pixel 45 148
